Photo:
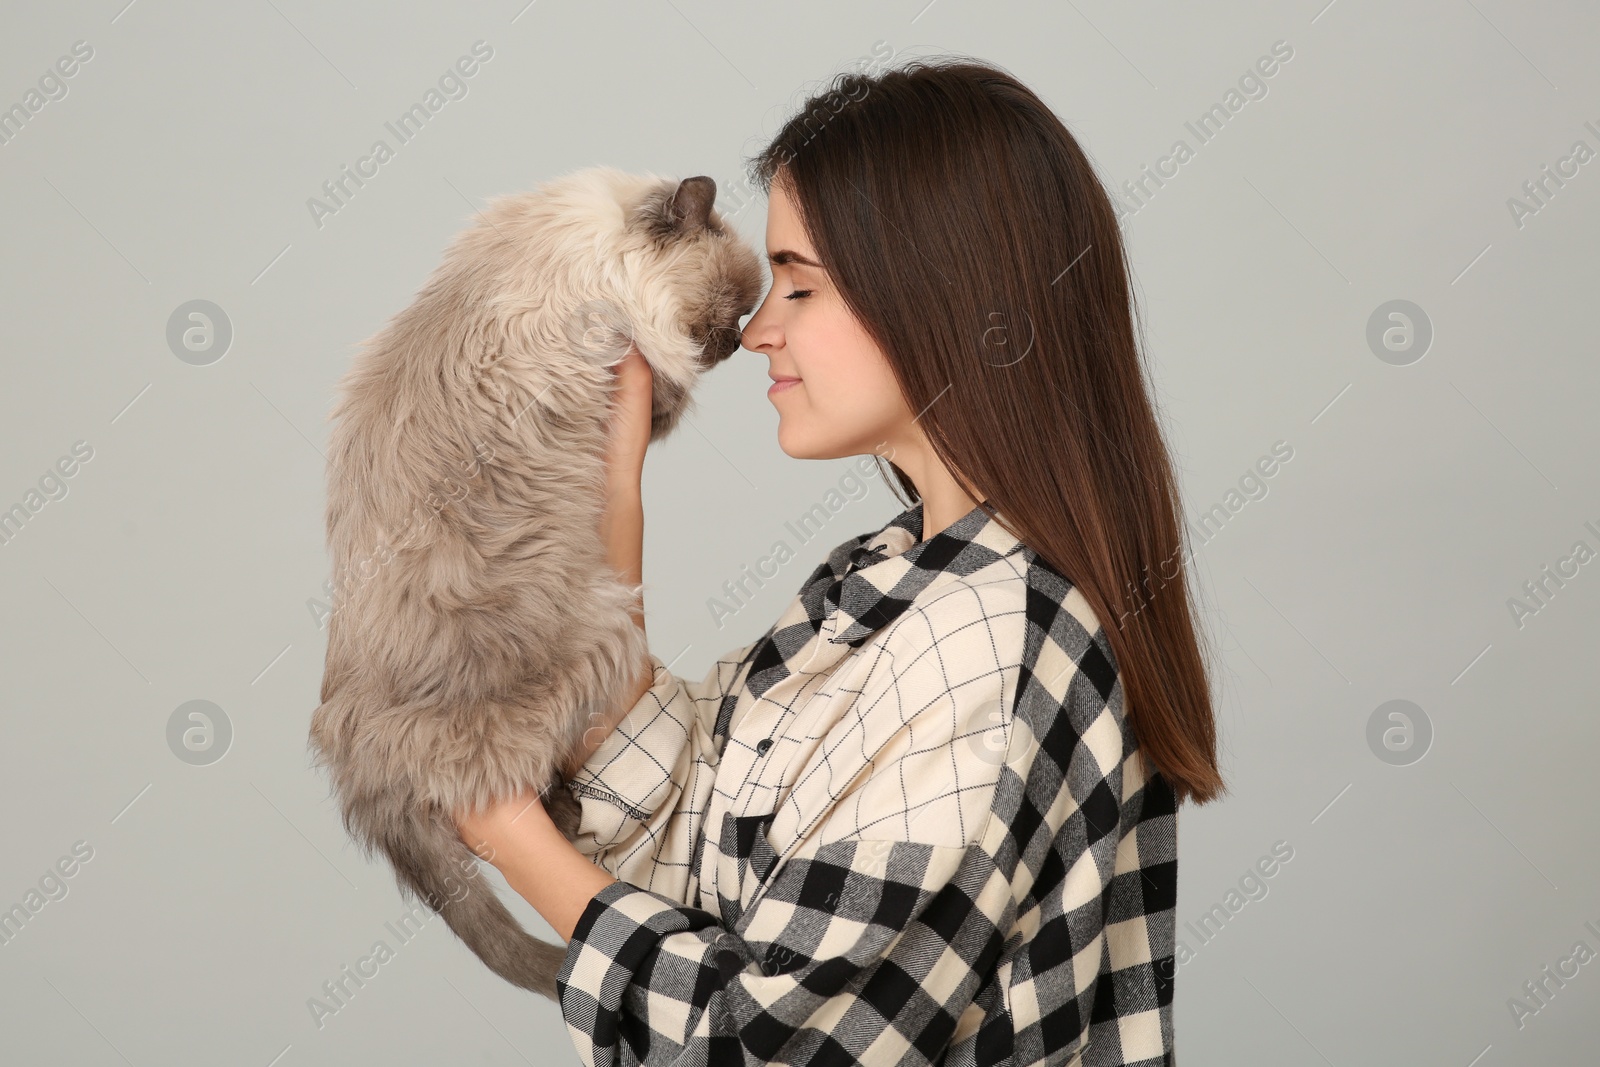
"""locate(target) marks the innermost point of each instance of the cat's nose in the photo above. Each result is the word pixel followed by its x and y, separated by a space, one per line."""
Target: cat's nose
pixel 728 342
pixel 721 342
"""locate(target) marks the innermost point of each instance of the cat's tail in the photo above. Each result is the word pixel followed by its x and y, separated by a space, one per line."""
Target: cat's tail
pixel 431 862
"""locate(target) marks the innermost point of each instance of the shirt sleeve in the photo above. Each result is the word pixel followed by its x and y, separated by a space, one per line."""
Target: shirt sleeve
pixel 641 791
pixel 1026 944
pixel 1088 975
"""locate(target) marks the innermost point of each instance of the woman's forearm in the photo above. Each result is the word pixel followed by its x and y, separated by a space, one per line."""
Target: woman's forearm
pixel 540 864
pixel 622 534
pixel 560 883
pixel 622 526
pixel 628 438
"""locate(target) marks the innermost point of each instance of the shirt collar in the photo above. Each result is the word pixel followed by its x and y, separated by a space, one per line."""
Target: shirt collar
pixel 874 578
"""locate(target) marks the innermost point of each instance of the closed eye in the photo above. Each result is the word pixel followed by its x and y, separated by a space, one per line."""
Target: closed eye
pixel 799 294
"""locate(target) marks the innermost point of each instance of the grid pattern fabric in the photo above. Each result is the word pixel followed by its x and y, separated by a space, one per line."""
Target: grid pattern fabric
pixel 908 825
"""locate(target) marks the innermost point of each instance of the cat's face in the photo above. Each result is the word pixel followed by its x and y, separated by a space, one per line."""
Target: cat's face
pixel 717 273
pixel 694 279
pixel 605 259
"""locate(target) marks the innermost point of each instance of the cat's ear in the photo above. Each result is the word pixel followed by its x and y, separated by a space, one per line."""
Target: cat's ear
pixel 689 208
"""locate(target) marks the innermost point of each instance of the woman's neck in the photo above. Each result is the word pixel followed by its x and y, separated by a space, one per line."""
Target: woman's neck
pixel 943 499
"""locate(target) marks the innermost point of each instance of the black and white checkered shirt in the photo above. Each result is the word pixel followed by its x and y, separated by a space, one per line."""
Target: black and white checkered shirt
pixel 909 825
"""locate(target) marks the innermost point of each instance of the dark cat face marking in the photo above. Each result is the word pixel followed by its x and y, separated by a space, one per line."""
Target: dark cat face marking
pixel 681 220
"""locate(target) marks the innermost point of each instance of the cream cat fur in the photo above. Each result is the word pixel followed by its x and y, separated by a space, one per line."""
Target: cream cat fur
pixel 477 622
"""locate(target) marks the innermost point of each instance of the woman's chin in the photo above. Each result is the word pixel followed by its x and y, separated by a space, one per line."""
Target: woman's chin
pixel 794 444
pixel 797 447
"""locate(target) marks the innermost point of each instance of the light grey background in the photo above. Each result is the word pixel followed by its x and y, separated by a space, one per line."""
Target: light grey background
pixel 1378 565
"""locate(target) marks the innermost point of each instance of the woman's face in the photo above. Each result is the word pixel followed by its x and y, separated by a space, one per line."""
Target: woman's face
pixel 845 401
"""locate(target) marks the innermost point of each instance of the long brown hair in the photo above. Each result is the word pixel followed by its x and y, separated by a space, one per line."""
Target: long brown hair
pixel 968 232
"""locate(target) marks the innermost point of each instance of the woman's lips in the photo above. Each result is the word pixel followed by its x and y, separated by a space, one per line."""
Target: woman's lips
pixel 781 384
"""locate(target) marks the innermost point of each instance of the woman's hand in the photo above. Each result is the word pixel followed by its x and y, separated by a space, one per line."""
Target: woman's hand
pixel 518 837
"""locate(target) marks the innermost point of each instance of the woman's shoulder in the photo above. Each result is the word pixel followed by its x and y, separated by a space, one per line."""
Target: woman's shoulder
pixel 988 604
pixel 1051 614
pixel 1020 619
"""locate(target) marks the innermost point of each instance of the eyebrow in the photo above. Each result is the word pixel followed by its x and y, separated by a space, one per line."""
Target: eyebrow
pixel 785 256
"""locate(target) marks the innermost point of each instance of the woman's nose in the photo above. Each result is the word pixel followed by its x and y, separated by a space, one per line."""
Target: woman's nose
pixel 758 334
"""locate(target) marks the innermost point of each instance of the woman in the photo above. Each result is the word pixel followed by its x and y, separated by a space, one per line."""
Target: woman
pixel 930 816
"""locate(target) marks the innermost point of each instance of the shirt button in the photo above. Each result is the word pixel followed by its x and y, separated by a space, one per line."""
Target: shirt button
pixel 762 746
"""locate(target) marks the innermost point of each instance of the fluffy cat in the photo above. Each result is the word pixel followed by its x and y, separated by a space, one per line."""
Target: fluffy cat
pixel 476 622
